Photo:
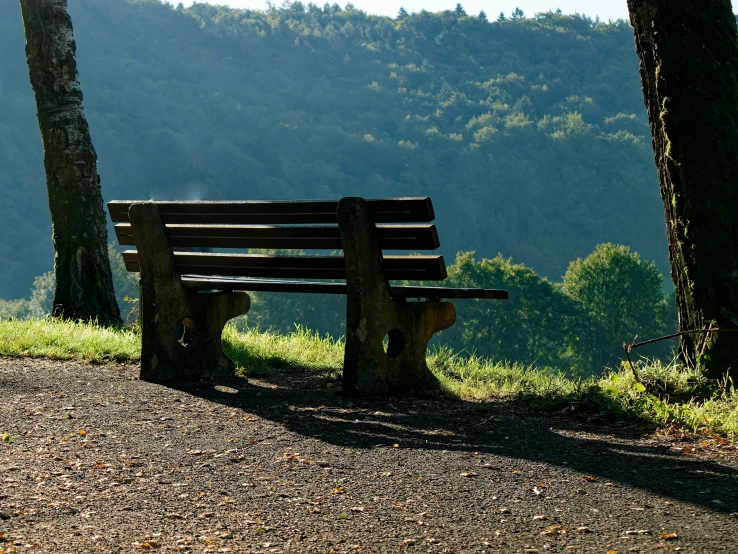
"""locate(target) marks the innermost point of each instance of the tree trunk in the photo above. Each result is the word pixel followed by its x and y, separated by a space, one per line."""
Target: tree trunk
pixel 84 283
pixel 688 53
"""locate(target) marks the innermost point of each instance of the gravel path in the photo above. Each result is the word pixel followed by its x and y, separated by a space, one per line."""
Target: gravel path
pixel 103 462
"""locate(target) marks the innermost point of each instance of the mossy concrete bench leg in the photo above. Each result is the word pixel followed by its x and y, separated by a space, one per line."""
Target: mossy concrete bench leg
pixel 180 331
pixel 373 314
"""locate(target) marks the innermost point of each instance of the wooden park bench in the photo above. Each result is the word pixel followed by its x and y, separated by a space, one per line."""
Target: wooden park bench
pixel 188 297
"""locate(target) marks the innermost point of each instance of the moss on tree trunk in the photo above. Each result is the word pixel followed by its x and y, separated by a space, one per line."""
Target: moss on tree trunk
pixel 688 53
pixel 84 284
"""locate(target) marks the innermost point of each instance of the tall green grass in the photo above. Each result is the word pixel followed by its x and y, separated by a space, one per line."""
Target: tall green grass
pixel 257 353
pixel 665 394
pixel 67 340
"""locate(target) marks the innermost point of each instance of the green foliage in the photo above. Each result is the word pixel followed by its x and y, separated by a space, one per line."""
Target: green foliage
pixel 38 305
pixel 529 134
pixel 41 301
pixel 279 313
pixel 533 326
pixel 621 296
pixel 125 283
pixel 10 309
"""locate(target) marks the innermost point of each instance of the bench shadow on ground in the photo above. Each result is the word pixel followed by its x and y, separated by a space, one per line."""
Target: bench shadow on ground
pixel 608 452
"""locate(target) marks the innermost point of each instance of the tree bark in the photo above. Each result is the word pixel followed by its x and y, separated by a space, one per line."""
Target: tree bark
pixel 688 53
pixel 84 282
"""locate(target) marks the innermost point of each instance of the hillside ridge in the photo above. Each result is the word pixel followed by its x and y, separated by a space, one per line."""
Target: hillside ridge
pixel 532 132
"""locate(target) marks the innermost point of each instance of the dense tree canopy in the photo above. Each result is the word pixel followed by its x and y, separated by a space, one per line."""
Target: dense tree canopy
pixel 620 296
pixel 529 133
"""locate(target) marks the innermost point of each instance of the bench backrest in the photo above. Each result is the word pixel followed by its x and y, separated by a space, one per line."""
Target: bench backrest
pixel 402 224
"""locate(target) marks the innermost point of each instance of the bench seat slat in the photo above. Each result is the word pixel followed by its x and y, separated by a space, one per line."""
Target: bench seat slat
pixel 194 282
pixel 384 210
pixel 397 268
pixel 391 237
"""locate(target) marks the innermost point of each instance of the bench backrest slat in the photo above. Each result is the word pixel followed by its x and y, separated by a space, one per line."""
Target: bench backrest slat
pixel 396 268
pixel 391 237
pixel 401 223
pixel 310 212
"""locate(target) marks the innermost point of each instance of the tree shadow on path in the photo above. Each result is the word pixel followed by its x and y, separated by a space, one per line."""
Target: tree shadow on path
pixel 609 453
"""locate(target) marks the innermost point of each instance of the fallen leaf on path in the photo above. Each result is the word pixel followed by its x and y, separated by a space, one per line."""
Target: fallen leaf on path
pixel 589 479
pixel 554 530
pixel 337 490
pixel 668 536
pixel 6 437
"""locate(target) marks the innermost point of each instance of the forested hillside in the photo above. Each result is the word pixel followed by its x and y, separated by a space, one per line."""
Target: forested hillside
pixel 529 134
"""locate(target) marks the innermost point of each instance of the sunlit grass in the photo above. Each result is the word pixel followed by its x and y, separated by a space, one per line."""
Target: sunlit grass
pixel 479 378
pixel 67 340
pixel 256 353
pixel 668 395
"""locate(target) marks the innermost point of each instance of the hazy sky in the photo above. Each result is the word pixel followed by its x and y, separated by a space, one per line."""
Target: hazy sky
pixel 606 9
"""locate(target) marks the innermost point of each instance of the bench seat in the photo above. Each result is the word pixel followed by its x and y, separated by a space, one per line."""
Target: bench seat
pixel 313 247
pixel 197 282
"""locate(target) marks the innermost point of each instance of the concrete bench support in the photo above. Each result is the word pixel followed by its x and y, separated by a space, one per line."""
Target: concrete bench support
pixel 181 331
pixel 373 314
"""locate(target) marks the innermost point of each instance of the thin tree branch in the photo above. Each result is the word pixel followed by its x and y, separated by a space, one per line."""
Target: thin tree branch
pixel 628 347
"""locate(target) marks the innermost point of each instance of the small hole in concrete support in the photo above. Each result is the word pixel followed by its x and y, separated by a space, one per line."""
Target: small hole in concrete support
pixel 186 332
pixel 394 343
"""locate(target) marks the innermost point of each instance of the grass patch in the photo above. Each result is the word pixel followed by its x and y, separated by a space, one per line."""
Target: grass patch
pixel 68 340
pixel 258 354
pixel 672 395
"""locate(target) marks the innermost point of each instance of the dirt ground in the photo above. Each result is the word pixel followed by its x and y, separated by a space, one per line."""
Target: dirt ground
pixel 103 462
